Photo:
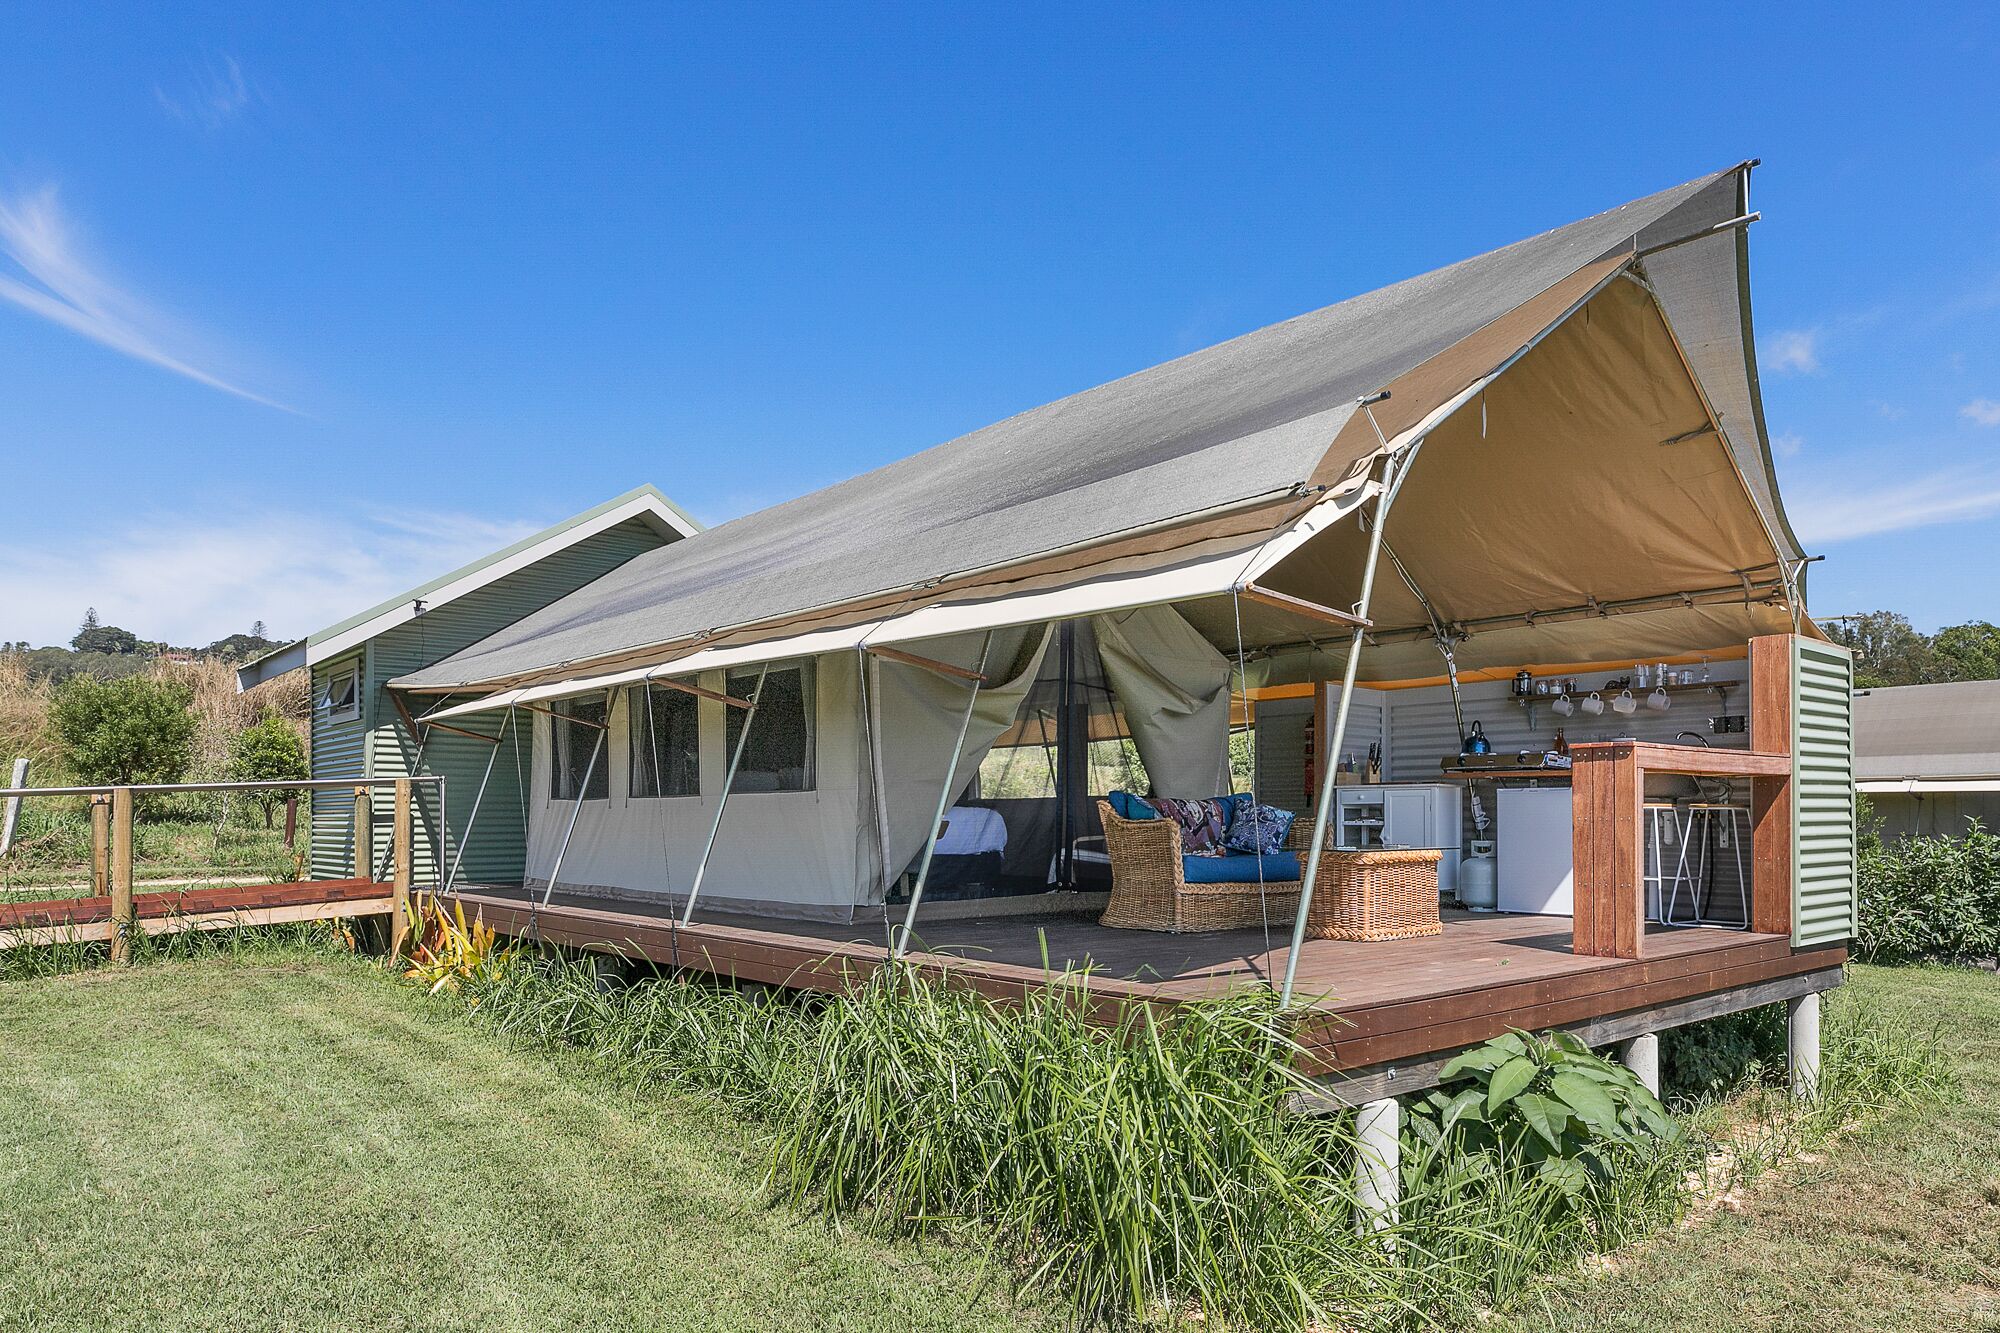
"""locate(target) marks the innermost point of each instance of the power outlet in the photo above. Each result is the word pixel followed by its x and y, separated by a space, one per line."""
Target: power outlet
pixel 1727 724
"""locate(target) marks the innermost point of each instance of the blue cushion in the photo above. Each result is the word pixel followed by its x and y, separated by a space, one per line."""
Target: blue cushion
pixel 1127 806
pixel 1278 867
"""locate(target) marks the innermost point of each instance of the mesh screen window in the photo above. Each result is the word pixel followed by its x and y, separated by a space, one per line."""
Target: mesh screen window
pixel 779 756
pixel 574 738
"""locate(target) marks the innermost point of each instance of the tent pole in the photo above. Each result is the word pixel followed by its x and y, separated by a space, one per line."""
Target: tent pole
pixel 1393 476
pixel 589 770
pixel 722 802
pixel 945 794
pixel 472 817
pixel 416 767
pixel 864 665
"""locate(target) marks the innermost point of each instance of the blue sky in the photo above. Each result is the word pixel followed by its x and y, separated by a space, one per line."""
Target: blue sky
pixel 298 308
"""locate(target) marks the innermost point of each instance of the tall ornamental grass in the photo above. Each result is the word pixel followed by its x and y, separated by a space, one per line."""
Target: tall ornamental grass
pixel 1146 1167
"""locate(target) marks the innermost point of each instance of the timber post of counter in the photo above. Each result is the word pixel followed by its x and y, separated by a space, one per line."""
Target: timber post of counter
pixel 1607 792
pixel 1771 695
pixel 1608 779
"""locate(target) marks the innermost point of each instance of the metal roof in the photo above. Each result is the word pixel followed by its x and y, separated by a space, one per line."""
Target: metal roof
pixel 642 502
pixel 1928 731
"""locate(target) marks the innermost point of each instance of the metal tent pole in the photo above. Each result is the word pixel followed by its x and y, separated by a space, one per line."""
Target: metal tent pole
pixel 728 781
pixel 589 769
pixel 472 817
pixel 945 793
pixel 1392 479
pixel 416 767
pixel 863 665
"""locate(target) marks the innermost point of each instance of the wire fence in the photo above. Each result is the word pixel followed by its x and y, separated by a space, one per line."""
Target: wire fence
pixel 184 835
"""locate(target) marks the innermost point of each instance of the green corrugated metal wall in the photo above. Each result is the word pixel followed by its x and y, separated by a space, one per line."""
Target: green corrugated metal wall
pixel 1823 842
pixel 337 752
pixel 381 747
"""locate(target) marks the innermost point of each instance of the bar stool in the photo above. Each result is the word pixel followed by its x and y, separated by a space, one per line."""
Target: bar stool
pixel 1696 823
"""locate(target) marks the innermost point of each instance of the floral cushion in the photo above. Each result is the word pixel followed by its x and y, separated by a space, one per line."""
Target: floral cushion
pixel 1203 823
pixel 1258 829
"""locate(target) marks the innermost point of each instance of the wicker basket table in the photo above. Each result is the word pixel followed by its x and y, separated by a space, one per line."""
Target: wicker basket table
pixel 1383 894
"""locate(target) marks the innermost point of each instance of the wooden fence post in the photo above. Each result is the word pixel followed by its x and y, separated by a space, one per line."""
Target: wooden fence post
pixel 100 846
pixel 364 835
pixel 405 869
pixel 123 922
pixel 10 808
pixel 291 821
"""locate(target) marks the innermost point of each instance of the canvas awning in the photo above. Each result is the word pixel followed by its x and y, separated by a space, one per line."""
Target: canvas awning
pixel 1212 577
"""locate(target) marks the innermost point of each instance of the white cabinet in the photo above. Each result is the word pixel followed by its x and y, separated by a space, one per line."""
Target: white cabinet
pixel 1399 814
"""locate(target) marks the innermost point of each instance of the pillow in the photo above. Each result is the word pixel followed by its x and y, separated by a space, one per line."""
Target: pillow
pixel 1259 829
pixel 1203 822
pixel 1127 806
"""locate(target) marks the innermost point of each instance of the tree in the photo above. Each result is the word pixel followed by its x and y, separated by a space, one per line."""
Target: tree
pixel 268 750
pixel 99 638
pixel 257 630
pixel 1968 652
pixel 1888 650
pixel 124 731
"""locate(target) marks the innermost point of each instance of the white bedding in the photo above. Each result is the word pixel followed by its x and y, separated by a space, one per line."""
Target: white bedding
pixel 971 830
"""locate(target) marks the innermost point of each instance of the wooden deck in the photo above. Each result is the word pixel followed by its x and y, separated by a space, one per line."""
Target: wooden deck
pixel 66 920
pixel 1388 1006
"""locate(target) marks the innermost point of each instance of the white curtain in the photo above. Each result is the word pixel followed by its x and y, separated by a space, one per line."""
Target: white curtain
pixel 1173 688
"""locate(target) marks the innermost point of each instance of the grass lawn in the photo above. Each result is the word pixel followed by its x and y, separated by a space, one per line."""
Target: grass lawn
pixel 1898 1227
pixel 281 1141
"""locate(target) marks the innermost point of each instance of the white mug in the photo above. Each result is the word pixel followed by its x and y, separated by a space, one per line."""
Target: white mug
pixel 1659 701
pixel 1564 705
pixel 1592 704
pixel 1625 703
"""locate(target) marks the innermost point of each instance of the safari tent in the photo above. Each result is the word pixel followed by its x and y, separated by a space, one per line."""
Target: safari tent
pixel 755 749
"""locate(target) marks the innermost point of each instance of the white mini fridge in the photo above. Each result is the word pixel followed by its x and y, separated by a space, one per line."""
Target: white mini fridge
pixel 1536 870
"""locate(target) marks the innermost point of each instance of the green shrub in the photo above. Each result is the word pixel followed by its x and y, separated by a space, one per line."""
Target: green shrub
pixel 268 750
pixel 1718 1055
pixel 1930 899
pixel 124 731
pixel 1547 1102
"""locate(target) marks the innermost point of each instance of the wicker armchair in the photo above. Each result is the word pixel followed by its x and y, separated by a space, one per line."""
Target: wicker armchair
pixel 1149 890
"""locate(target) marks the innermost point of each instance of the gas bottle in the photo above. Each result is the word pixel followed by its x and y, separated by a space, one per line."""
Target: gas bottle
pixel 1479 878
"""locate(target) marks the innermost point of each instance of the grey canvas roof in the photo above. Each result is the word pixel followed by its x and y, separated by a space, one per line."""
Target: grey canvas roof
pixel 1928 731
pixel 1248 417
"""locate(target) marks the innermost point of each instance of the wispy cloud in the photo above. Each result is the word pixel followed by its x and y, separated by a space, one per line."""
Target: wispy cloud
pixel 53 278
pixel 192 581
pixel 1788 444
pixel 1858 509
pixel 1982 411
pixel 213 93
pixel 1793 352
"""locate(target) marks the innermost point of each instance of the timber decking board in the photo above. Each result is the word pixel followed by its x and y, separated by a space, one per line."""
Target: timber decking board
pixel 1383 1001
pixel 54 912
